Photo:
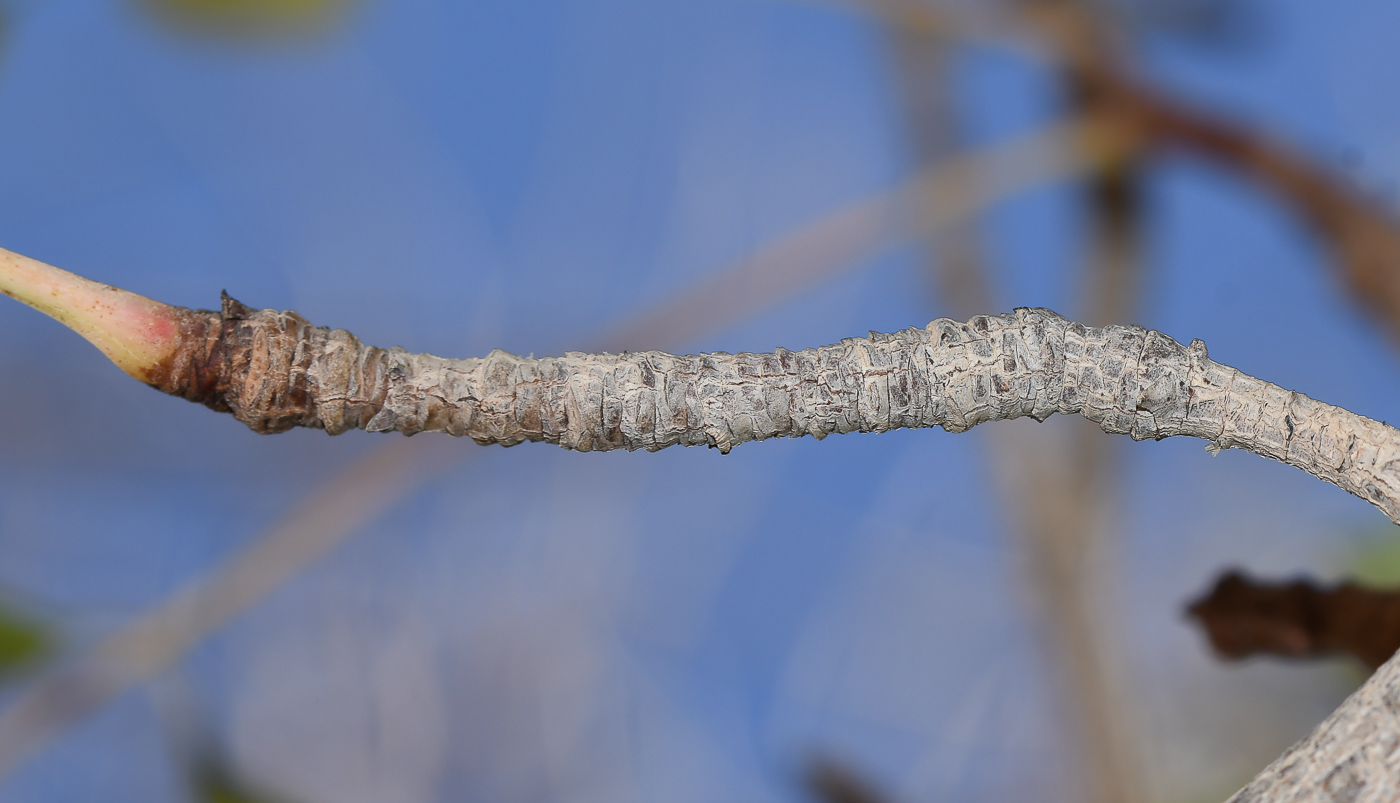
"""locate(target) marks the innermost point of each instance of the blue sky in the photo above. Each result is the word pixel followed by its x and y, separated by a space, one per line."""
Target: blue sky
pixel 535 624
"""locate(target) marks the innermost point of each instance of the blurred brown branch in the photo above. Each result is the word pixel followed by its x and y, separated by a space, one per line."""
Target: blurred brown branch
pixel 139 651
pixel 830 781
pixel 1299 619
pixel 1364 238
pixel 1056 481
pixel 1364 235
pixel 946 192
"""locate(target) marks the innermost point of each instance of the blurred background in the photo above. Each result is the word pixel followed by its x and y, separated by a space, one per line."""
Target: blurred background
pixel 191 612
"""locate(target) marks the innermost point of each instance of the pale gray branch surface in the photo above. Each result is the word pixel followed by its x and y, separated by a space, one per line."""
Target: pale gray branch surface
pixel 954 375
pixel 1352 757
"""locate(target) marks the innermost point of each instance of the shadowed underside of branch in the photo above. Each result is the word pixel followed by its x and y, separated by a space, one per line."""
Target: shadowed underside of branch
pixel 274 371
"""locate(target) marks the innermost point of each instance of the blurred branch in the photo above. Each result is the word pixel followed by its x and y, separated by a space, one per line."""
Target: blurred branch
pixel 952 255
pixel 950 191
pixel 140 650
pixel 1298 619
pixel 1057 487
pixel 983 24
pixel 1364 235
pixel 1077 477
pixel 1341 759
pixel 832 782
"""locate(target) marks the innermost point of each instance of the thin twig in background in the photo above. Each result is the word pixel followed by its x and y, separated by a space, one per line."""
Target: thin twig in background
pixel 1362 232
pixel 1364 235
pixel 1073 547
pixel 56 701
pixel 137 652
pixel 944 194
pixel 952 255
pixel 1054 482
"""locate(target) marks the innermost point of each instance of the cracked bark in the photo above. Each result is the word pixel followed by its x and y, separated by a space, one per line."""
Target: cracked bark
pixel 1055 483
pixel 1353 756
pixel 273 371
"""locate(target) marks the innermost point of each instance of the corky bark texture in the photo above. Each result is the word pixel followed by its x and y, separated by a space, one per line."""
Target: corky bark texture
pixel 1352 757
pixel 274 371
pixel 1299 619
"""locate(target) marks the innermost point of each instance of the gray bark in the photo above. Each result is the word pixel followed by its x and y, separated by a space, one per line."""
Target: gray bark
pixel 273 370
pixel 1352 757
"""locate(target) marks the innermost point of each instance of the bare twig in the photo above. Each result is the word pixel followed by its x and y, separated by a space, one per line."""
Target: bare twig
pixel 273 370
pixel 323 520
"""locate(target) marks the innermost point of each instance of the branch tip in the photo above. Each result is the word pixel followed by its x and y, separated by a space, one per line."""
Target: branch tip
pixel 136 333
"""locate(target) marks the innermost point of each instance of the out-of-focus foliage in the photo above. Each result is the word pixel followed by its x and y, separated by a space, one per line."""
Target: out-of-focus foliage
pixel 249 18
pixel 215 783
pixel 1377 562
pixel 22 641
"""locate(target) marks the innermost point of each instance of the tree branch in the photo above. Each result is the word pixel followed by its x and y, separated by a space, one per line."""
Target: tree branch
pixel 274 370
pixel 1350 757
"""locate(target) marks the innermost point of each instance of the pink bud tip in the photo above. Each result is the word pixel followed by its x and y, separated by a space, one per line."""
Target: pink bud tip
pixel 136 333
